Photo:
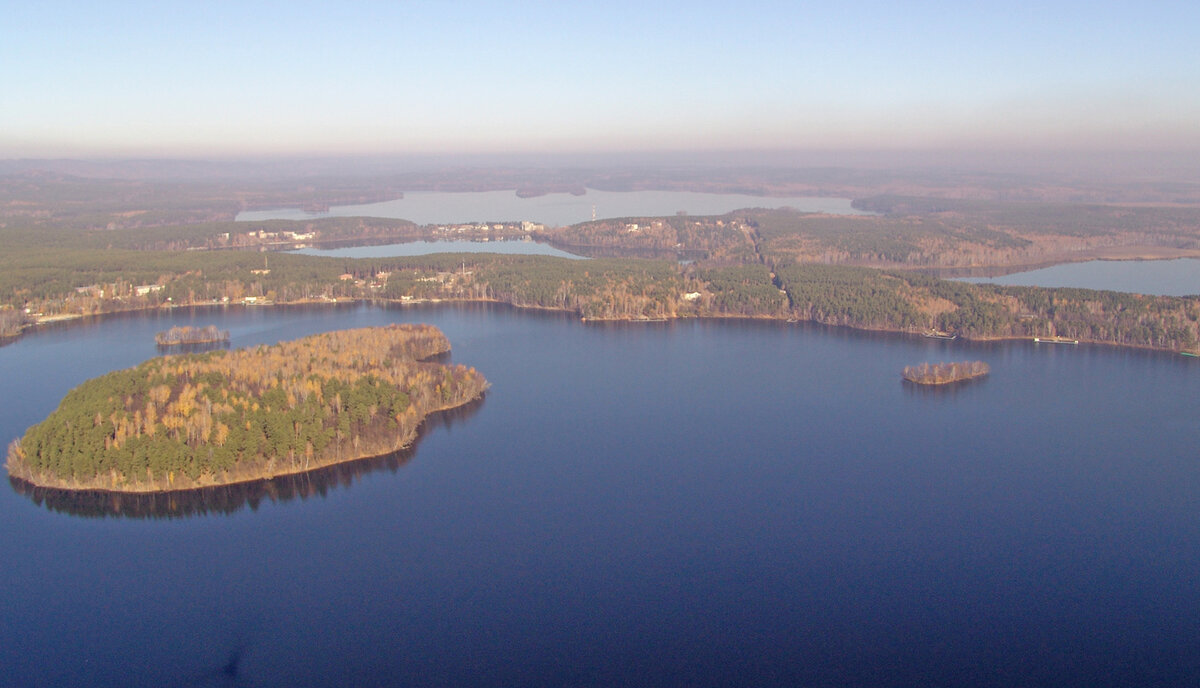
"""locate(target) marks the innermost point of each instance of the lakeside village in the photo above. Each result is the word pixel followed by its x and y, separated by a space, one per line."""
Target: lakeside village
pixel 285 240
pixel 90 299
pixel 136 296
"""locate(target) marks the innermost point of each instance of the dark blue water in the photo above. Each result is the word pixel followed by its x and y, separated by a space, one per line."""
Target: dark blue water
pixel 691 503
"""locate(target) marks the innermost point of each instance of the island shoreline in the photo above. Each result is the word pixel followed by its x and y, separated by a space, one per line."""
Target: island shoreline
pixel 406 442
pixel 425 387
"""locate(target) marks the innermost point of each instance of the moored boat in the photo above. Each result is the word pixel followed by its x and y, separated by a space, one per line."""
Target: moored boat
pixel 938 334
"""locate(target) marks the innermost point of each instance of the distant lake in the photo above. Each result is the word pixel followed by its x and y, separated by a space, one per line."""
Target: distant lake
pixel 1177 277
pixel 421 248
pixel 692 503
pixel 435 207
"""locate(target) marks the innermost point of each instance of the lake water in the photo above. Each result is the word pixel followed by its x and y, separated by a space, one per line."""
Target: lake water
pixel 689 503
pixel 1178 277
pixel 435 207
pixel 421 248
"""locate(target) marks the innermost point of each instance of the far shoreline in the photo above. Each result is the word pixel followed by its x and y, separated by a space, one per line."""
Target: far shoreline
pixel 790 319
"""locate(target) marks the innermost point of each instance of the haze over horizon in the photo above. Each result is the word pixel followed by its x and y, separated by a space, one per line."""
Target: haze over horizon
pixel 222 79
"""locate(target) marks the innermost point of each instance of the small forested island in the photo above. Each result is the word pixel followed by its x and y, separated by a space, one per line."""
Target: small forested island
pixel 197 420
pixel 177 336
pixel 945 373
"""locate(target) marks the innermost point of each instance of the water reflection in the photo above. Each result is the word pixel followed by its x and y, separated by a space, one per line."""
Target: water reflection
pixel 228 499
pixel 191 348
pixel 946 391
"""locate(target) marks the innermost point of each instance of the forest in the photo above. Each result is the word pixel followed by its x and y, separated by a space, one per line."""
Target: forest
pixel 12 322
pixel 944 234
pixel 907 301
pixel 198 420
pixel 945 373
pixel 187 334
pixel 69 253
pixel 70 283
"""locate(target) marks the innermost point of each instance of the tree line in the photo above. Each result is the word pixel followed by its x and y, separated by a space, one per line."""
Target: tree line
pixel 54 281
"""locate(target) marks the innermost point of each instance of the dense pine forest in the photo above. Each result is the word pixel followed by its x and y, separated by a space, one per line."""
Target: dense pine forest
pixel 189 421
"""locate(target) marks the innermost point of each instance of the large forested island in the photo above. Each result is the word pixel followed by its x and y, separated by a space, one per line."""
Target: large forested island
pixel 191 421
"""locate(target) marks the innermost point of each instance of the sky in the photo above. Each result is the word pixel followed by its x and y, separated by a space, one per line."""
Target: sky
pixel 221 79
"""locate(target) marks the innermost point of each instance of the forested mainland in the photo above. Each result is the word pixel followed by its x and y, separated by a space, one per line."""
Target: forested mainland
pixel 197 420
pixel 80 247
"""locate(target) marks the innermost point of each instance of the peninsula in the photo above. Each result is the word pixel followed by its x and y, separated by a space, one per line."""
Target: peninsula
pixel 198 420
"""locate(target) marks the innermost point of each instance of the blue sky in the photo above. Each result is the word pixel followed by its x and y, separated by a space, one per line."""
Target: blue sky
pixel 249 78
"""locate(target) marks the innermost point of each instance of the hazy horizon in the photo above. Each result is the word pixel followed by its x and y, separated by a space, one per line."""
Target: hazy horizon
pixel 1048 166
pixel 145 80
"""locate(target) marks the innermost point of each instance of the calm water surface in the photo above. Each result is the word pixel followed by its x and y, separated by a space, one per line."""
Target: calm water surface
pixel 1178 277
pixel 421 248
pixel 429 207
pixel 688 503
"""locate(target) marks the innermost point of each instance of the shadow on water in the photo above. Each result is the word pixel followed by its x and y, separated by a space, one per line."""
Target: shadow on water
pixel 228 499
pixel 228 674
